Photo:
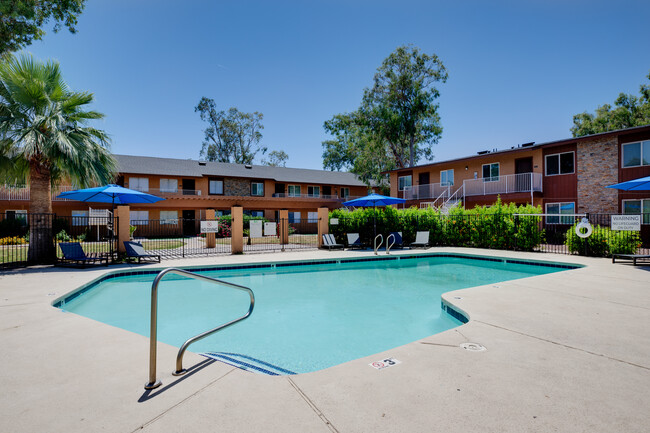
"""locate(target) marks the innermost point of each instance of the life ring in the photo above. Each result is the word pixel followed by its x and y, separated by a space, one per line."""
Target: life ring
pixel 584 224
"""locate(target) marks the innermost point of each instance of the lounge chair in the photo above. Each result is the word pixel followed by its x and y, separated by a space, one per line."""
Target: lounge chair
pixel 329 242
pixel 135 250
pixel 73 253
pixel 633 257
pixel 354 241
pixel 421 240
pixel 398 241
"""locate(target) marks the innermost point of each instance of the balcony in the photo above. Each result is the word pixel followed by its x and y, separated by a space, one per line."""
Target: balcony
pixel 18 193
pixel 507 184
pixel 320 196
pixel 170 193
pixel 427 191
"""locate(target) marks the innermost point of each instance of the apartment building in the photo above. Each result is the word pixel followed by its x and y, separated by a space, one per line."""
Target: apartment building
pixel 190 187
pixel 564 176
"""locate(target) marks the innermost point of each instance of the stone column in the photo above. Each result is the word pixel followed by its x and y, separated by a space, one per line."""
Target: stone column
pixel 123 215
pixel 323 224
pixel 284 226
pixel 210 238
pixel 237 230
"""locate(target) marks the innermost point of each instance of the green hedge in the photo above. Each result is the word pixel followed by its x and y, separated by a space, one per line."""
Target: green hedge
pixel 603 242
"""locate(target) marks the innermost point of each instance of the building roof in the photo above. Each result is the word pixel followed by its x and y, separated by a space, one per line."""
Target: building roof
pixel 192 168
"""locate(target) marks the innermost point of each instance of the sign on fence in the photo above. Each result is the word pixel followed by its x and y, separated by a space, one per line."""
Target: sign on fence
pixel 334 221
pixel 255 228
pixel 209 226
pixel 269 229
pixel 626 222
pixel 98 217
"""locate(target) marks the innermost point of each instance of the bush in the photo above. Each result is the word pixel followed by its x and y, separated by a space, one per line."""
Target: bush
pixel 12 240
pixel 603 242
pixel 62 236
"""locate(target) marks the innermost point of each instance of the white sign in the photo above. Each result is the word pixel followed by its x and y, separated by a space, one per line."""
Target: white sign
pixel 255 228
pixel 384 363
pixel 269 229
pixel 626 222
pixel 98 217
pixel 334 221
pixel 209 226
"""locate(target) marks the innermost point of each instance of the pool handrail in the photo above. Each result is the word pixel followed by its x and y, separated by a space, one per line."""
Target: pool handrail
pixel 153 383
pixel 388 243
pixel 380 242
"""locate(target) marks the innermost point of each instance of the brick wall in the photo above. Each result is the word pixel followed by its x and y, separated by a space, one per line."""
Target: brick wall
pixel 597 163
pixel 238 187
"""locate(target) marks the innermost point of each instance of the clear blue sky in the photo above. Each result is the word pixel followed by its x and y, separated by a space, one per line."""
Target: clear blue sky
pixel 518 70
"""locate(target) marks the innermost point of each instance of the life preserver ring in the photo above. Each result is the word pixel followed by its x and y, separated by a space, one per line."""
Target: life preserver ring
pixel 584 224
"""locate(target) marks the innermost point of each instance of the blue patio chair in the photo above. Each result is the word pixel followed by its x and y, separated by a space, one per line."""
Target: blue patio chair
pixel 135 250
pixel 73 253
pixel 354 241
pixel 397 237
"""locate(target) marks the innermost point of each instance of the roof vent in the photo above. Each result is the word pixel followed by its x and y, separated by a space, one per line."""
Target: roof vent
pixel 202 162
pixel 248 166
pixel 482 152
pixel 528 144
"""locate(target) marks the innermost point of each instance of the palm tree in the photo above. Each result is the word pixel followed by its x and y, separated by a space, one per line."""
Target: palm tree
pixel 44 138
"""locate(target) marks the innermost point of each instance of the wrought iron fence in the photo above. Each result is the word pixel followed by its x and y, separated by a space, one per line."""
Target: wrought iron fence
pixel 267 236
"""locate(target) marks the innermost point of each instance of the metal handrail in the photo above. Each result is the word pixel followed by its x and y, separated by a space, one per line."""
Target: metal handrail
pixel 380 243
pixel 153 383
pixel 388 246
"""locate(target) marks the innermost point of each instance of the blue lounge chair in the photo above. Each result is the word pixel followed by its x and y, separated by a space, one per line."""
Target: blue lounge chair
pixel 73 253
pixel 397 240
pixel 135 250
pixel 329 242
pixel 354 241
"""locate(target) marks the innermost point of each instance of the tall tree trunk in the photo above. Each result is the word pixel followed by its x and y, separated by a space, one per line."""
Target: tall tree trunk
pixel 412 151
pixel 41 243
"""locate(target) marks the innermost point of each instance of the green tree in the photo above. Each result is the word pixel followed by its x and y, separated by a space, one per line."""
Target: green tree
pixel 21 20
pixel 276 158
pixel 231 136
pixel 45 137
pixel 398 120
pixel 628 111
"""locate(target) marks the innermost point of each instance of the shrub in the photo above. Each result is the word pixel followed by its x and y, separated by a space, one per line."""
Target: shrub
pixel 603 242
pixel 62 236
pixel 12 240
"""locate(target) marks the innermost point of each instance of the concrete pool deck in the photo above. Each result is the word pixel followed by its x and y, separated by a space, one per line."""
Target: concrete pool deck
pixel 568 352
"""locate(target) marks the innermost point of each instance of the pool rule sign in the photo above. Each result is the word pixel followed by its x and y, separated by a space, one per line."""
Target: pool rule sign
pixel 209 226
pixel 626 222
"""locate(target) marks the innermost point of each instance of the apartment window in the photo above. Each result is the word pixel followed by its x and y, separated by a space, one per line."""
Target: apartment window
pixel 560 163
pixel 257 188
pixel 404 182
pixel 636 207
pixel 491 172
pixel 215 187
pixel 313 191
pixel 168 217
pixel 636 154
pixel 139 183
pixel 220 213
pixel 79 217
pixel 16 215
pixel 139 217
pixel 294 217
pixel 168 185
pixel 560 209
pixel 293 190
pixel 312 217
pixel 345 192
pixel 447 177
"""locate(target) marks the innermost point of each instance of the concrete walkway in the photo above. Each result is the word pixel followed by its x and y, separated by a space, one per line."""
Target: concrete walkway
pixel 566 352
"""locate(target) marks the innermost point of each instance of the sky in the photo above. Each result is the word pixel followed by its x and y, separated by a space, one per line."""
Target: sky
pixel 518 70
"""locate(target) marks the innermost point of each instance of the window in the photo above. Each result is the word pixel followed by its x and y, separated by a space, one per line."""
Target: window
pixel 139 217
pixel 636 207
pixel 447 177
pixel 313 191
pixel 16 215
pixel 220 213
pixel 560 163
pixel 293 190
pixel 345 192
pixel 254 213
pixel 560 209
pixel 139 183
pixel 636 154
pixel 491 172
pixel 312 217
pixel 257 188
pixel 79 217
pixel 404 182
pixel 294 217
pixel 215 187
pixel 168 217
pixel 168 185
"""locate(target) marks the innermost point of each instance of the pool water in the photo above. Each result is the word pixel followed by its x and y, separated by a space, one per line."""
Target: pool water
pixel 306 317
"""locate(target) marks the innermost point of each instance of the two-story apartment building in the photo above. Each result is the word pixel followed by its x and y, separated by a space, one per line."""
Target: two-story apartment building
pixel 564 176
pixel 190 187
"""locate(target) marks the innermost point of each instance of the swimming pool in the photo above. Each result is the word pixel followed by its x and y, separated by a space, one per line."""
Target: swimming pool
pixel 309 315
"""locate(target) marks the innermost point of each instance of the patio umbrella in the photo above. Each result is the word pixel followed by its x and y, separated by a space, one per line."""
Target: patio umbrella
pixel 374 200
pixel 641 184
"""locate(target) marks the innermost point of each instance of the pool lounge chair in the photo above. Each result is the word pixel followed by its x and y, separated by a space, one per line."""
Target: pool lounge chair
pixel 397 237
pixel 354 241
pixel 329 242
pixel 633 257
pixel 74 254
pixel 421 240
pixel 135 250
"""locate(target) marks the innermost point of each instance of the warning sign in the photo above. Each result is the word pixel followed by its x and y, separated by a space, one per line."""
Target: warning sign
pixel 384 363
pixel 209 226
pixel 626 222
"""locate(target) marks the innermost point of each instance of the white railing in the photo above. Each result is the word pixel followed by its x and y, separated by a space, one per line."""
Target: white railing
pixel 321 196
pixel 426 191
pixel 507 184
pixel 8 192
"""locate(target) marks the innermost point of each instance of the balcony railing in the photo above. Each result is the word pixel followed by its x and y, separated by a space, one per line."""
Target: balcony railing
pixel 507 184
pixel 162 192
pixel 8 192
pixel 320 196
pixel 427 191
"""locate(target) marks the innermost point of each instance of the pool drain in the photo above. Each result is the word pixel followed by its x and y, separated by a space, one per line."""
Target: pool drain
pixel 473 347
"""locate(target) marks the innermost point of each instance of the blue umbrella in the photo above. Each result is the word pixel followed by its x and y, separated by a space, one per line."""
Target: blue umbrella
pixel 374 199
pixel 642 184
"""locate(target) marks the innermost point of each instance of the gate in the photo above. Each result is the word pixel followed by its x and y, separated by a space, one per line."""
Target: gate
pixel 302 234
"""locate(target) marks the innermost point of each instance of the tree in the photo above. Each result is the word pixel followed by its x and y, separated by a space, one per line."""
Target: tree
pixel 276 158
pixel 21 20
pixel 398 120
pixel 629 111
pixel 231 136
pixel 44 138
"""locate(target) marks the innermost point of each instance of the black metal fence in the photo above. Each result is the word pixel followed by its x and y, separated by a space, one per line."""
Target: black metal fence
pixel 523 232
pixel 29 239
pixel 267 236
